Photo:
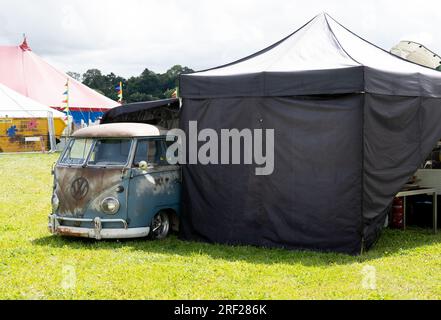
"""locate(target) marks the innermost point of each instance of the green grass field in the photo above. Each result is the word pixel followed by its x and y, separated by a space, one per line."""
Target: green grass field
pixel 35 265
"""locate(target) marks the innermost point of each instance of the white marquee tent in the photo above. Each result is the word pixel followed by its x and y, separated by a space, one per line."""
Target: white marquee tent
pixel 15 105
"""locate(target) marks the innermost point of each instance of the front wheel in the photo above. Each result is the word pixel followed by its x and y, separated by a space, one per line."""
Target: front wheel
pixel 160 226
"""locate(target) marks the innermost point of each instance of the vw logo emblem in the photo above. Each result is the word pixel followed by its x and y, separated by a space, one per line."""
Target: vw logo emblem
pixel 79 188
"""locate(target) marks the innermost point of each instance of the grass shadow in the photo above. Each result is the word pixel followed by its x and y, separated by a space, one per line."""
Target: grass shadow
pixel 392 243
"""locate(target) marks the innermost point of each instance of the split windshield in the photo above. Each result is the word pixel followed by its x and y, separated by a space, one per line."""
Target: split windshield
pixel 103 152
pixel 77 152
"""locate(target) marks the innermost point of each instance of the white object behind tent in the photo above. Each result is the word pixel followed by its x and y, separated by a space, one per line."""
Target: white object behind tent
pixel 15 105
pixel 417 53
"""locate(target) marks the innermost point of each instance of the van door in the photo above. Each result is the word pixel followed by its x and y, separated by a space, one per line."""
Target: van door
pixel 154 189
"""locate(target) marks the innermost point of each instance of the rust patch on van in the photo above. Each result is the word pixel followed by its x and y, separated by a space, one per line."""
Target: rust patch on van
pixel 62 231
pixel 76 188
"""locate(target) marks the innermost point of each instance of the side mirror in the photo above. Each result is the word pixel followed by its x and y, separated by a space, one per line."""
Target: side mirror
pixel 143 165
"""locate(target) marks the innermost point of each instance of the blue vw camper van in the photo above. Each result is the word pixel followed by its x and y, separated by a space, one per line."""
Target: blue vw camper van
pixel 113 181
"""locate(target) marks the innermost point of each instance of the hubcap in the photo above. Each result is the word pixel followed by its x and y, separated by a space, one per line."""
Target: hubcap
pixel 160 225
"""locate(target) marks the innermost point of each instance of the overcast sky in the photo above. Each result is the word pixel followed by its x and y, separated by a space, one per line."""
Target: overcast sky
pixel 127 36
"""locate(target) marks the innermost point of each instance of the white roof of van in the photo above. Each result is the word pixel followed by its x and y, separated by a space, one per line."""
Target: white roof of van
pixel 120 130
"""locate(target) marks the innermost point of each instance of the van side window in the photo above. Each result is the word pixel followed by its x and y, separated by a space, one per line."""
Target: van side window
pixel 152 151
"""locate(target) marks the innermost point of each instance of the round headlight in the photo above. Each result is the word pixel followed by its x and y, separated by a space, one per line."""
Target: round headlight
pixel 110 205
pixel 55 202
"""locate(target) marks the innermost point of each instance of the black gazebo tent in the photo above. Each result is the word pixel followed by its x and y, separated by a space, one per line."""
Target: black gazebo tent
pixel 352 124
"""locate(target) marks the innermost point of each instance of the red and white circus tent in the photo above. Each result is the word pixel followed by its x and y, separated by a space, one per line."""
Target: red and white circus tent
pixel 28 74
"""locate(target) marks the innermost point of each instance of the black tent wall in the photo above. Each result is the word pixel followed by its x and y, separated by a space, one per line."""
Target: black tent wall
pixel 399 133
pixel 339 161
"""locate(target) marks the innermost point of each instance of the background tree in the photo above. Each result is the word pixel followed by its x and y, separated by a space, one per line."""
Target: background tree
pixel 77 76
pixel 146 87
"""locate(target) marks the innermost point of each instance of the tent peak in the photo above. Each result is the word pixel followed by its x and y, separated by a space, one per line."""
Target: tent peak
pixel 24 46
pixel 323 15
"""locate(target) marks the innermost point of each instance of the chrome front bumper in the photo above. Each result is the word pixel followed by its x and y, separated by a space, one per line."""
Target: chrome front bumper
pixel 97 232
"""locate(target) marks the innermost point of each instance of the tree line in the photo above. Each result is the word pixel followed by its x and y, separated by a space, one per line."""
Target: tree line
pixel 147 86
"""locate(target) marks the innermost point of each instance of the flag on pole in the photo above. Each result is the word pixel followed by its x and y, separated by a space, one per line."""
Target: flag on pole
pixel 66 97
pixel 119 88
pixel 175 93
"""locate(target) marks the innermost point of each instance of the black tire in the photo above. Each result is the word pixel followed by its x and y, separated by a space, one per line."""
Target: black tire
pixel 160 226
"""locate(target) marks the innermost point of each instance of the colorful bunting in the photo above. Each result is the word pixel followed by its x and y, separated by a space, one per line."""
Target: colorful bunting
pixel 119 88
pixel 175 93
pixel 66 97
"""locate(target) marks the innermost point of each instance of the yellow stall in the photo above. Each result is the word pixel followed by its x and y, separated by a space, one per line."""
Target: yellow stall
pixel 25 124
